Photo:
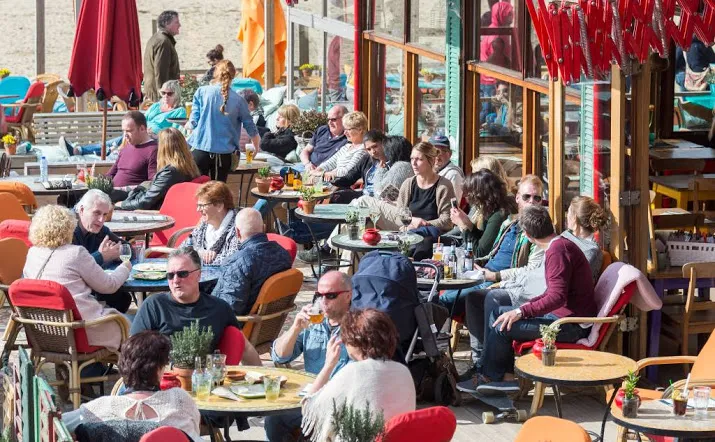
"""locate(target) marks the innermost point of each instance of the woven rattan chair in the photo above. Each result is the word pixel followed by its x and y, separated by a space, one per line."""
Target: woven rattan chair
pixel 56 332
pixel 275 300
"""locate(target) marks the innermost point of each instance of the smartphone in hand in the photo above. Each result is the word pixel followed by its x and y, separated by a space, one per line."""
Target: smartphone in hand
pixel 454 203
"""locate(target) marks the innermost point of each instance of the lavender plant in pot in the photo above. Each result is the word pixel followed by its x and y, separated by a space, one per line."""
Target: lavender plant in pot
pixel 548 336
pixel 186 345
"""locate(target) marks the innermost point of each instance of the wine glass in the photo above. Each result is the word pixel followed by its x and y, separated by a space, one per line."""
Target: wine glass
pixel 405 218
pixel 374 216
pixel 125 252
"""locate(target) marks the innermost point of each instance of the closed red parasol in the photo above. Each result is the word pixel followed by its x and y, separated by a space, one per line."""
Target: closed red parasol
pixel 106 55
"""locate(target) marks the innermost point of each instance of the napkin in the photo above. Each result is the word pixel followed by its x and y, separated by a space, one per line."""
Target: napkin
pixel 225 393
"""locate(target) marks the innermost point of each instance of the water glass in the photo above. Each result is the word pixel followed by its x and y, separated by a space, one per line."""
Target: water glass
pixel 701 396
pixel 272 384
pixel 437 251
pixel 361 223
pixel 219 368
pixel 203 390
pixel 138 249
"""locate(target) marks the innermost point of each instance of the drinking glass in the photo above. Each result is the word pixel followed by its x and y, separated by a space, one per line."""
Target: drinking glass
pixel 297 182
pixel 374 216
pixel 316 312
pixel 405 218
pixel 701 401
pixel 203 390
pixel 125 252
pixel 680 402
pixel 362 220
pixel 250 152
pixel 272 385
pixel 219 367
pixel 138 251
pixel 437 249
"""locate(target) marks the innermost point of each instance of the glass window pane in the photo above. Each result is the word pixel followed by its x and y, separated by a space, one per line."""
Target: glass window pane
pixel 340 62
pixel 428 24
pixel 431 98
pixel 308 44
pixel 394 92
pixel 343 10
pixel 536 65
pixel 498 42
pixel 389 17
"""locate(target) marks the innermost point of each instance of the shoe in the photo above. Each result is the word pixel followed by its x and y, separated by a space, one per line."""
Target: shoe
pixel 311 256
pixel 498 388
pixel 472 385
pixel 468 375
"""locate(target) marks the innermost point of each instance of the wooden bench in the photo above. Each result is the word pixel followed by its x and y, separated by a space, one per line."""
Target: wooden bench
pixel 77 127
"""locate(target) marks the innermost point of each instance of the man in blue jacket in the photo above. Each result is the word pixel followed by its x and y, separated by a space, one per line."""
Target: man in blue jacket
pixel 256 260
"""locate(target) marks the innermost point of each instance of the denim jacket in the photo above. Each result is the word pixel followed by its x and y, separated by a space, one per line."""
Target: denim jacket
pixel 312 343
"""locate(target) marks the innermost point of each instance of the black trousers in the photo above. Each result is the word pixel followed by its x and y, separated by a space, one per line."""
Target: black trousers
pixel 217 166
pixel 120 300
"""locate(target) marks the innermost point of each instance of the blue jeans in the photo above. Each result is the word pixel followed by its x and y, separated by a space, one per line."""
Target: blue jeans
pixel 279 426
pixel 479 306
pixel 498 355
pixel 449 299
pixel 96 148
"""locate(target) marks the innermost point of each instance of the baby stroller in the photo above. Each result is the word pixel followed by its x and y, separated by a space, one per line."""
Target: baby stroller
pixel 388 282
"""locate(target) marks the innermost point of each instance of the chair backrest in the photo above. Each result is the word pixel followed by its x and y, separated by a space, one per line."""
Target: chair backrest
pixel 232 344
pixel 11 208
pixel 703 366
pixel 33 96
pixel 605 330
pixel 180 204
pixel 165 434
pixel 285 242
pixel 277 295
pixel 21 191
pixel 49 301
pixel 14 85
pixel 201 179
pixel 552 429
pixel 434 424
pixel 50 96
pixel 13 228
pixel 11 269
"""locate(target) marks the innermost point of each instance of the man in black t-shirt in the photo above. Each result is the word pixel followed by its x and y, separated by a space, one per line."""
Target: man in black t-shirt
pixel 171 312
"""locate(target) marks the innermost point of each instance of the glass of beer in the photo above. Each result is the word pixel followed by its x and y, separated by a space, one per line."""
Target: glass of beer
pixel 316 312
pixel 680 402
pixel 297 182
pixel 437 251
pixel 250 153
pixel 188 110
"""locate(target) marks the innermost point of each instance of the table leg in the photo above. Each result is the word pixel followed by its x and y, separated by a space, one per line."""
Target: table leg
pixel 557 399
pixel 605 415
pixel 245 198
pixel 11 332
pixel 655 317
pixel 538 398
pixel 681 201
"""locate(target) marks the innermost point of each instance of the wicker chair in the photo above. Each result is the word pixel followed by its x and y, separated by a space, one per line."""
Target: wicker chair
pixel 10 271
pixel 275 300
pixel 56 332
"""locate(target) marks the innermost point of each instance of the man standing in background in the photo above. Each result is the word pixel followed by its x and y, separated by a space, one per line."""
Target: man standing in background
pixel 161 61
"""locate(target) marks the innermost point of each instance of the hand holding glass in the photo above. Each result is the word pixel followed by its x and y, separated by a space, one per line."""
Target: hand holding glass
pixel 125 252
pixel 405 218
pixel 316 312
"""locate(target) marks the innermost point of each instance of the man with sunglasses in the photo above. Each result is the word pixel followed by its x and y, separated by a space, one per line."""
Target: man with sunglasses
pixel 311 340
pixel 326 141
pixel 171 312
pixel 444 166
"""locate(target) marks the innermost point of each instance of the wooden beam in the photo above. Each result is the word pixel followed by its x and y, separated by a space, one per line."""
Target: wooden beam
pixel 39 37
pixel 531 130
pixel 557 105
pixel 268 23
pixel 472 105
pixel 618 159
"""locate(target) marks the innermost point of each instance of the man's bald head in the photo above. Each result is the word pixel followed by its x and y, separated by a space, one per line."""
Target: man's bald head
pixel 248 223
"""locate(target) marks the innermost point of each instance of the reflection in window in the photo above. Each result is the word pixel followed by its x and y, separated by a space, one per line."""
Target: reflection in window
pixel 394 92
pixel 428 24
pixel 389 17
pixel 340 71
pixel 308 58
pixel 694 95
pixel 536 65
pixel 342 10
pixel 498 44
pixel 431 98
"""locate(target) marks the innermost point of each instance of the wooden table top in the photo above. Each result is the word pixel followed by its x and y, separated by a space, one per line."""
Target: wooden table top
pixel 128 223
pixel 577 367
pixel 248 168
pixel 288 399
pixel 33 182
pixel 678 182
pixel 655 417
pixel 288 194
pixel 681 150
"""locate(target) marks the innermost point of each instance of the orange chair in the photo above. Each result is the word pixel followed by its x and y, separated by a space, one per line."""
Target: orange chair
pixel 275 300
pixel 11 208
pixel 22 193
pixel 552 429
pixel 286 243
pixel 10 271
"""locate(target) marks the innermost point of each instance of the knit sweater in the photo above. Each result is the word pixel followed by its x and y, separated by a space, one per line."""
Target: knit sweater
pixel 73 267
pixel 135 164
pixel 445 193
pixel 347 158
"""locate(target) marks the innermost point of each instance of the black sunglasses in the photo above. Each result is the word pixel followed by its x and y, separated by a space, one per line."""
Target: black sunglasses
pixel 181 274
pixel 332 120
pixel 167 93
pixel 330 295
pixel 527 197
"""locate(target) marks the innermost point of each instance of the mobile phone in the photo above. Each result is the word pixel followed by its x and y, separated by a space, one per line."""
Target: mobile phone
pixel 454 203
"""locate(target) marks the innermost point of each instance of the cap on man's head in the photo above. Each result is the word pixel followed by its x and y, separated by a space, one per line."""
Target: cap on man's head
pixel 440 141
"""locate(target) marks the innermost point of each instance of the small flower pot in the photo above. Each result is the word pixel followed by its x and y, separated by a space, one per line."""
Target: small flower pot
pixel 353 232
pixel 548 356
pixel 621 394
pixel 371 237
pixel 11 149
pixel 184 375
pixel 263 184
pixel 307 206
pixel 629 406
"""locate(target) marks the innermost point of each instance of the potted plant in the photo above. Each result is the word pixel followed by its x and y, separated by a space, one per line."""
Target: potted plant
pixel 186 344
pixel 630 400
pixel 10 143
pixel 352 217
pixel 307 199
pixel 306 70
pixel 353 424
pixel 106 185
pixel 263 180
pixel 548 337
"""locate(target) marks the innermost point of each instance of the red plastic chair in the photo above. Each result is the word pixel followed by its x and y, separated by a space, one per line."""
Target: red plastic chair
pixel 434 424
pixel 232 344
pixel 202 179
pixel 165 434
pixel 286 243
pixel 22 119
pixel 180 204
pixel 56 332
pixel 15 228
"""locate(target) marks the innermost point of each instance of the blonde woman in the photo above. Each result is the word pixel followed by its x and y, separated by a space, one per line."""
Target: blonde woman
pixel 217 115
pixel 350 155
pixel 53 257
pixel 175 165
pixel 282 142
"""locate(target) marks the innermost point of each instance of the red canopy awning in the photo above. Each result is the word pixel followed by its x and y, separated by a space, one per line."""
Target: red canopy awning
pixel 106 55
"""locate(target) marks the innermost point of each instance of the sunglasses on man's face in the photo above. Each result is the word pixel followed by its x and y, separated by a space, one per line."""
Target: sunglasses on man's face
pixel 333 120
pixel 330 295
pixel 526 197
pixel 181 274
pixel 167 93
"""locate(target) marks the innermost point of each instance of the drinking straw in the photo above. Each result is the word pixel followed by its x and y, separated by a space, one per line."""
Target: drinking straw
pixel 438 239
pixel 687 381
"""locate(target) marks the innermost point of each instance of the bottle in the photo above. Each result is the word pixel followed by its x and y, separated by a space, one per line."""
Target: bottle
pixel 468 259
pixel 43 169
pixel 190 241
pixel 452 263
pixel 289 178
pixel 197 377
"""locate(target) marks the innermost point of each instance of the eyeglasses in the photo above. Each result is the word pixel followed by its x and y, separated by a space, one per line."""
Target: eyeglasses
pixel 202 206
pixel 526 197
pixel 167 93
pixel 333 120
pixel 181 274
pixel 330 295
pixel 347 129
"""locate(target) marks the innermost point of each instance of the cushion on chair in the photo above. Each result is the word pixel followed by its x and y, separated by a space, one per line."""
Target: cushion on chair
pixel 165 434
pixel 15 228
pixel 285 242
pixel 553 429
pixel 201 180
pixel 434 424
pixel 232 344
pixel 703 367
pixel 50 295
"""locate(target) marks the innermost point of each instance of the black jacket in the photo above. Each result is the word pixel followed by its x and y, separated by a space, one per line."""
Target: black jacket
pixel 360 171
pixel 280 143
pixel 151 198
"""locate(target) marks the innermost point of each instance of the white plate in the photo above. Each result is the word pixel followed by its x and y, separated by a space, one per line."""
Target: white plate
pixel 150 267
pixel 249 391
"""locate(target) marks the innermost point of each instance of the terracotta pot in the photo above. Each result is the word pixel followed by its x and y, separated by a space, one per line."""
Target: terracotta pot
pixel 620 396
pixel 108 216
pixel 277 183
pixel 170 380
pixel 11 149
pixel 307 206
pixel 630 406
pixel 548 356
pixel 264 184
pixel 371 237
pixel 307 73
pixel 184 375
pixel 537 348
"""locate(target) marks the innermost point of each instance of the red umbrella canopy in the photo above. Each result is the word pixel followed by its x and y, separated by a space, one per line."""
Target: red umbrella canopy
pixel 106 55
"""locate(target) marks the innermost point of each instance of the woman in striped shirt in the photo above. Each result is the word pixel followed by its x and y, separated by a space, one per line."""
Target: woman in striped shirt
pixel 350 155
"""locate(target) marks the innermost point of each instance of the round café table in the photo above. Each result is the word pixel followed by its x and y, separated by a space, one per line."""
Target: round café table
pixel 656 417
pixel 35 185
pixel 575 368
pixel 358 246
pixel 288 400
pixel 289 196
pixel 244 169
pixel 130 224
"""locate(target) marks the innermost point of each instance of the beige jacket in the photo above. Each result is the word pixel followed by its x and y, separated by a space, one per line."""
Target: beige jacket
pixel 445 192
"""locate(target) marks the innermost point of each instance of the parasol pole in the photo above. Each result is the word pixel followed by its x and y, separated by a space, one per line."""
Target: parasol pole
pixel 104 130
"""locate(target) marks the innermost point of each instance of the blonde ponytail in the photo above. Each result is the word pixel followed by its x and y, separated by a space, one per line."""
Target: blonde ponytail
pixel 224 74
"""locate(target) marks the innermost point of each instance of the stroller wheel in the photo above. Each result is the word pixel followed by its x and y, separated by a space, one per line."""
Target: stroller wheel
pixel 443 391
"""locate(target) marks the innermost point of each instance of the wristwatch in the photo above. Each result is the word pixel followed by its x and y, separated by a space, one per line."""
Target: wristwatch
pixel 519 313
